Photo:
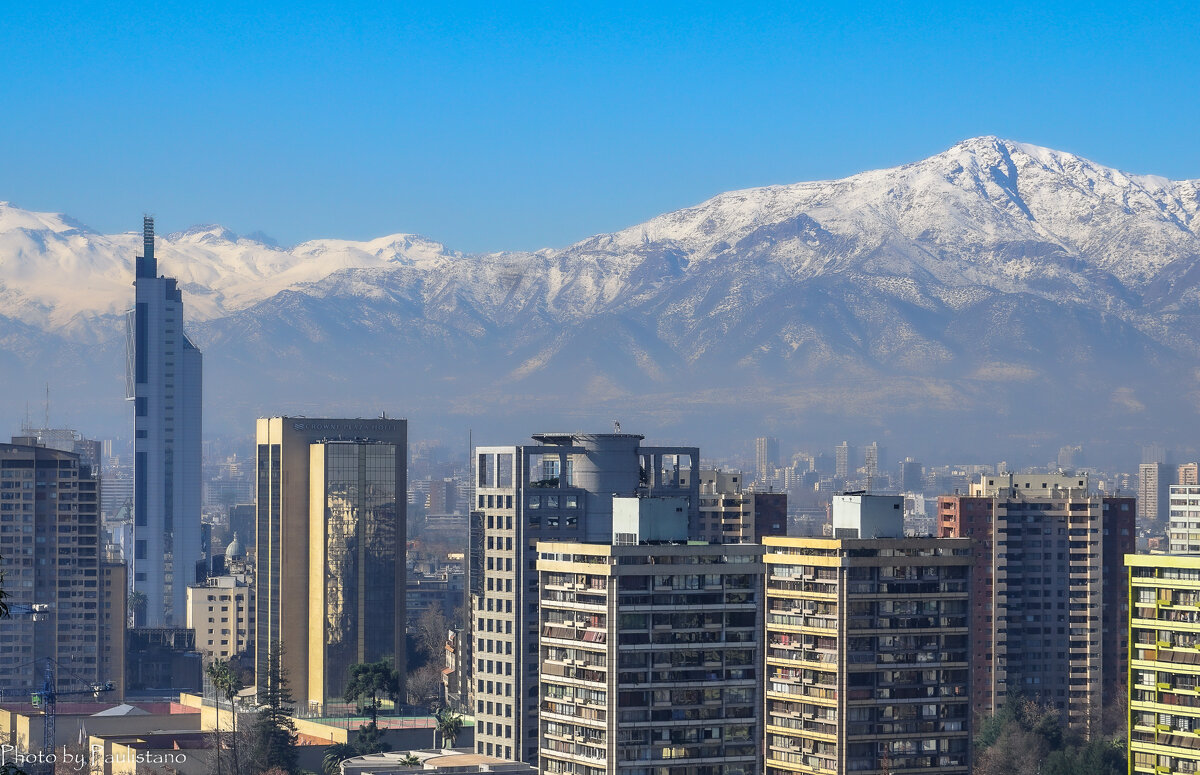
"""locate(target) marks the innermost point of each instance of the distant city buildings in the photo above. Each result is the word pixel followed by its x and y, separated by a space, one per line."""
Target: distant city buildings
pixel 1154 492
pixel 844 461
pixel 766 457
pixel 164 382
pixel 730 514
pixel 330 549
pixel 1049 598
pixel 867 660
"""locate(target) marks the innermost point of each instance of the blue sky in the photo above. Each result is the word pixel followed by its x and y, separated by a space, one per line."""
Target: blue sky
pixel 519 125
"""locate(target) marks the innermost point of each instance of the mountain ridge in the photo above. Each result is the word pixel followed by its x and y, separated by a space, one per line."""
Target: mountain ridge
pixel 967 279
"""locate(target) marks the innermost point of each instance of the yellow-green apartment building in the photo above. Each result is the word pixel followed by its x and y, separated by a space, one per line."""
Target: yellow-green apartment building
pixel 1164 664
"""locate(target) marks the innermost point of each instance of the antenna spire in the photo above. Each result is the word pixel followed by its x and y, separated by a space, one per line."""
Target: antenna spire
pixel 145 265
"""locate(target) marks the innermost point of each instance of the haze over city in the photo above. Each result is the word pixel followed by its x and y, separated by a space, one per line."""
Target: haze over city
pixel 681 389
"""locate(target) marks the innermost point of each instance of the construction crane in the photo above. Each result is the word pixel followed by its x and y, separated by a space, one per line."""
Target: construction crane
pixel 46 699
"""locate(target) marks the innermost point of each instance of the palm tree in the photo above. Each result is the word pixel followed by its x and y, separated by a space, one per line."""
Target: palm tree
pixel 228 683
pixel 449 724
pixel 335 755
pixel 411 760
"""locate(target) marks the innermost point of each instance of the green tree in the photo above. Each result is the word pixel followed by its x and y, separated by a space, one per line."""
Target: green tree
pixel 370 740
pixel 273 737
pixel 228 683
pixel 369 683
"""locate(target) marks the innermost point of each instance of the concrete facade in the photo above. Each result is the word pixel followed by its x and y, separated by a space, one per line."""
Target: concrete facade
pixel 50 541
pixel 651 659
pixel 867 657
pixel 1049 618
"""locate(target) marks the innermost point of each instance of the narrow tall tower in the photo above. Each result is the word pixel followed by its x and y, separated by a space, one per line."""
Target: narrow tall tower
pixel 163 379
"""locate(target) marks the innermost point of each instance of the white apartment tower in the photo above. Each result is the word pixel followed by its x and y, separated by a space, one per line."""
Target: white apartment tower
pixel 163 379
pixel 559 489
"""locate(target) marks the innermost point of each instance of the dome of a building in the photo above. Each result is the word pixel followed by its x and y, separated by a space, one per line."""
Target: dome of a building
pixel 234 549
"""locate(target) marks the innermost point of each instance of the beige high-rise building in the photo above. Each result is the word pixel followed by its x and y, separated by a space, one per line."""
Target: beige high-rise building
pixel 330 549
pixel 1188 473
pixel 867 652
pixel 221 613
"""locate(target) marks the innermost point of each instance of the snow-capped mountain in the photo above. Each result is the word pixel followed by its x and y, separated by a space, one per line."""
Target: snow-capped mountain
pixel 998 283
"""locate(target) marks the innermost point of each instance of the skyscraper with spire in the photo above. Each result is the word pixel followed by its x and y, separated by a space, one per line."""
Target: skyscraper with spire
pixel 163 379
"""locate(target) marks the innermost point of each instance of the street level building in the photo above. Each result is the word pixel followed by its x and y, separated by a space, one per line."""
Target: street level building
pixel 163 380
pixel 330 549
pixel 562 489
pixel 1048 603
pixel 867 652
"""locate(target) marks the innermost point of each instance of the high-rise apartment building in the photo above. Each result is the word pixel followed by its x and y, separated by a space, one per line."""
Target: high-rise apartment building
pixel 867 649
pixel 559 489
pixel 1164 595
pixel 163 379
pixel 844 461
pixel 50 542
pixel 1188 473
pixel 766 457
pixel 330 549
pixel 1154 493
pixel 651 658
pixel 1048 599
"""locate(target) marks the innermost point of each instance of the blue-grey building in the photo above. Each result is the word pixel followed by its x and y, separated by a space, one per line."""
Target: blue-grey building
pixel 163 379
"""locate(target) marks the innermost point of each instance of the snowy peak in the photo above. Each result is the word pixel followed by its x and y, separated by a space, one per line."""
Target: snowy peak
pixel 987 212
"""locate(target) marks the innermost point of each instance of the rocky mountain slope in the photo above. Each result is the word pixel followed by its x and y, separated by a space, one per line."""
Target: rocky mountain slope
pixel 999 289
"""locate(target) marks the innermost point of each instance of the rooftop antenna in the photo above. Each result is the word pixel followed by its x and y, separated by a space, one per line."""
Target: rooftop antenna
pixel 47 425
